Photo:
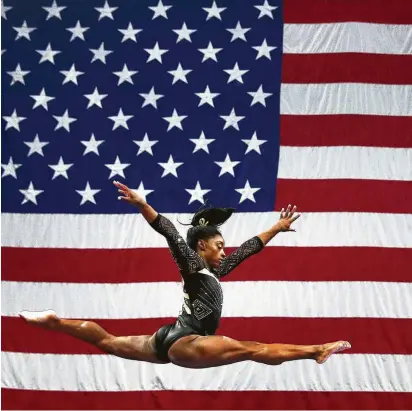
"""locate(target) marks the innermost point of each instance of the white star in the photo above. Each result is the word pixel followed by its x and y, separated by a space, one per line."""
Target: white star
pixel 117 168
pixel 120 120
pixel 145 145
pixel 170 167
pixel 10 168
pixel 92 145
pixel 36 146
pixel 197 193
pixel 88 194
pixel 71 75
pixel 266 10
pixel 227 166
pixel 125 75
pixel 151 98
pixel 54 10
pixel 142 191
pixel 100 53
pixel 77 31
pixel 129 33
pixel 207 97
pixel 106 11
pixel 184 33
pixel 42 99
pixel 201 143
pixel 4 10
pixel 209 52
pixel 247 193
pixel 18 75
pixel 13 120
pixel 30 194
pixel 155 53
pixel 95 98
pixel 232 120
pixel 259 96
pixel 64 121
pixel 160 10
pixel 254 144
pixel 48 54
pixel 24 31
pixel 60 169
pixel 174 120
pixel 238 32
pixel 179 74
pixel 264 50
pixel 214 11
pixel 236 74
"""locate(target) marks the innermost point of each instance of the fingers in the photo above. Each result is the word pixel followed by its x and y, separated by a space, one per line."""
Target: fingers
pixel 120 185
pixel 288 213
pixel 122 198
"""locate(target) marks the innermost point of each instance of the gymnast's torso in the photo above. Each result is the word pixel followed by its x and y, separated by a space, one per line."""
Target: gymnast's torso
pixel 202 291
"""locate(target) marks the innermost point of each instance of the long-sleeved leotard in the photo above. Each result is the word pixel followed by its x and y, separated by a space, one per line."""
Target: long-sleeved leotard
pixel 203 297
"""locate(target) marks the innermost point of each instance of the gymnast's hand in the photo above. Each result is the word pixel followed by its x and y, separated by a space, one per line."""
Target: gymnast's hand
pixel 129 195
pixel 287 218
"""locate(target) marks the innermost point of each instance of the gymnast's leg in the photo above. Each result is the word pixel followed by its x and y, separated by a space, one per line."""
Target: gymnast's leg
pixel 140 348
pixel 213 351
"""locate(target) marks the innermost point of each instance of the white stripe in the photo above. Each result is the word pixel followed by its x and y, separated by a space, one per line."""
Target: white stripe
pixel 354 372
pixel 345 162
pixel 350 37
pixel 346 98
pixel 131 231
pixel 241 299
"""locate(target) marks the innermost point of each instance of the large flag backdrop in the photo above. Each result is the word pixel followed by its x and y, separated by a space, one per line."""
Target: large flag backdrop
pixel 253 104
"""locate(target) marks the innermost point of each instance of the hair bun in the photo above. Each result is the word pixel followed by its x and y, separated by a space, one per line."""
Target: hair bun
pixel 212 216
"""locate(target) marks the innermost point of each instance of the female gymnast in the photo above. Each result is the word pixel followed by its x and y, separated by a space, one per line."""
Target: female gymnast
pixel 191 341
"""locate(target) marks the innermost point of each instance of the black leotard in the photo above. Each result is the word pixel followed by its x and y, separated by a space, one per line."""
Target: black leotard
pixel 203 297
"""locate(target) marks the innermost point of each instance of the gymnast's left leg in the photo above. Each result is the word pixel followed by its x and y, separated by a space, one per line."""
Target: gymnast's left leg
pixel 213 351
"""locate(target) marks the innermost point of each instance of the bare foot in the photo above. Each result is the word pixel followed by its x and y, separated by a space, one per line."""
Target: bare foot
pixel 331 348
pixel 44 319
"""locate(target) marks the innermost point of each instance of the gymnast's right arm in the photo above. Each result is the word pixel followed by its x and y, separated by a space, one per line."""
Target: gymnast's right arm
pixel 186 259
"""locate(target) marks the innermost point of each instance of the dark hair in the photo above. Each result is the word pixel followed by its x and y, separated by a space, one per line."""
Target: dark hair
pixel 200 232
pixel 205 224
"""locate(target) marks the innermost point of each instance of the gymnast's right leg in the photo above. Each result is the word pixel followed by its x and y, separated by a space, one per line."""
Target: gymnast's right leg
pixel 140 348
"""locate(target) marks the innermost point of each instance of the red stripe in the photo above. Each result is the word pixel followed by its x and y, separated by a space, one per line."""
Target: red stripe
pixel 367 335
pixel 347 130
pixel 345 195
pixel 272 263
pixel 347 67
pixel 327 11
pixel 200 400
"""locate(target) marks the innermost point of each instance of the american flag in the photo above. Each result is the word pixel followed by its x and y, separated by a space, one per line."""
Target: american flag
pixel 252 104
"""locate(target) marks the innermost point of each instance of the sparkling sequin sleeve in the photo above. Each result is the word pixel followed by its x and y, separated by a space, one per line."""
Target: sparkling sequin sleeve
pixel 248 248
pixel 186 259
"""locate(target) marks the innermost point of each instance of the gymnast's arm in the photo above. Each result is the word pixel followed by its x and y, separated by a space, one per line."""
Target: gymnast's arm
pixel 247 249
pixel 186 259
pixel 257 243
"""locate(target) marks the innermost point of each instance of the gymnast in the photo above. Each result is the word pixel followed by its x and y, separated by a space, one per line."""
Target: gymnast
pixel 191 340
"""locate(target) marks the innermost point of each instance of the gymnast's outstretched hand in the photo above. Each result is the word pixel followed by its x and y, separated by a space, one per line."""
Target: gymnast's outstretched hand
pixel 287 218
pixel 128 195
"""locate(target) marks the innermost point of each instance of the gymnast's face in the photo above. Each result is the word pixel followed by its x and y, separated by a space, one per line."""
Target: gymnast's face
pixel 212 250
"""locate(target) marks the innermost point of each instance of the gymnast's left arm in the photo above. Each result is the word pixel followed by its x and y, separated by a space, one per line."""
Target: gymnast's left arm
pixel 257 243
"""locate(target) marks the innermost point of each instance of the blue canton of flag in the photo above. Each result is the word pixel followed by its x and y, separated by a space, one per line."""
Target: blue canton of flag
pixel 178 99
